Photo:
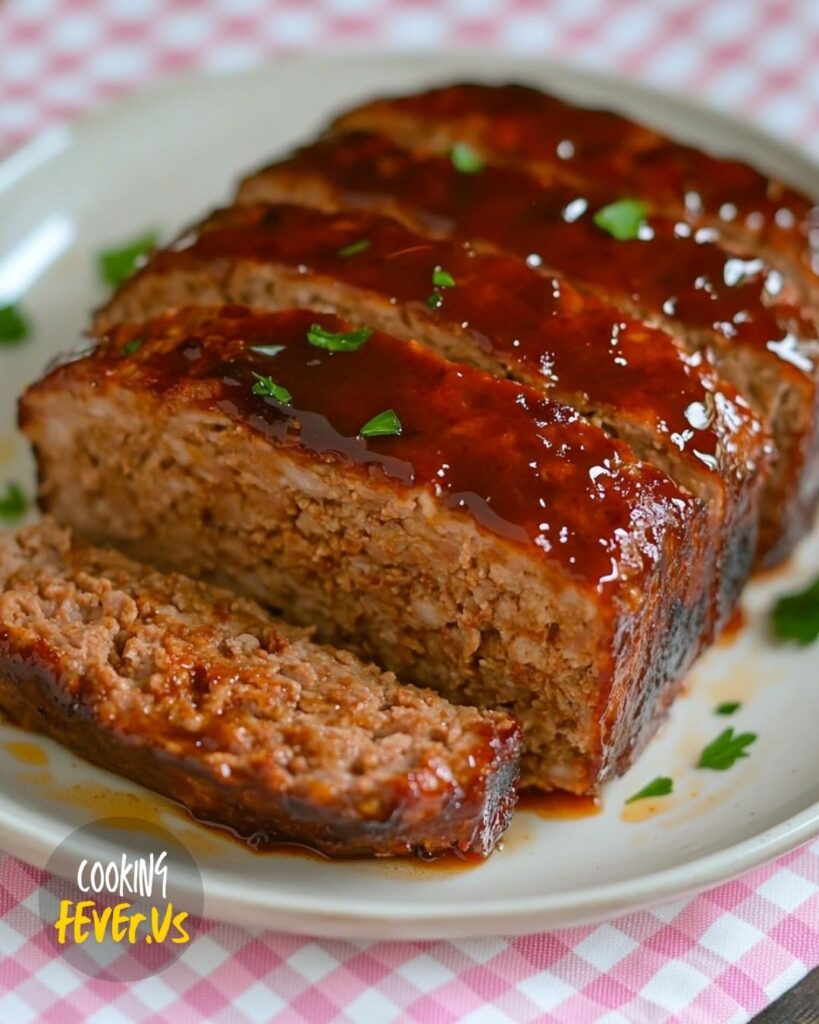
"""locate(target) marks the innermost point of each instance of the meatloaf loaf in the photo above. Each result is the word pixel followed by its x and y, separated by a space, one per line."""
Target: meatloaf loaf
pixel 464 530
pixel 204 697
pixel 716 298
pixel 498 314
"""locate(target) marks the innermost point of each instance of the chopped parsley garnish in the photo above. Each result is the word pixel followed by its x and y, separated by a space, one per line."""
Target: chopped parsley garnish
pixel 267 350
pixel 115 265
pixel 338 341
pixel 730 707
pixel 465 159
pixel 796 616
pixel 133 346
pixel 268 388
pixel 623 219
pixel 724 752
pixel 442 279
pixel 13 503
pixel 13 325
pixel 661 786
pixel 385 424
pixel 362 245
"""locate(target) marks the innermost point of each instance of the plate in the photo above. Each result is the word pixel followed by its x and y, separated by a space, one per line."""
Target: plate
pixel 158 161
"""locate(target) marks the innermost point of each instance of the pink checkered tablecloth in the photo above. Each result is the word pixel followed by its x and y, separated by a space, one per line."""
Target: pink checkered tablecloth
pixel 720 957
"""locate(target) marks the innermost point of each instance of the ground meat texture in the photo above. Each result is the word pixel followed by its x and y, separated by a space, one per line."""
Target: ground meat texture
pixel 631 379
pixel 500 549
pixel 204 697
pixel 561 142
pixel 717 300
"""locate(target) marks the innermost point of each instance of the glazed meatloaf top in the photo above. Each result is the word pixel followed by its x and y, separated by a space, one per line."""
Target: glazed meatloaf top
pixel 667 270
pixel 204 696
pixel 581 147
pixel 524 467
pixel 506 317
pixel 715 297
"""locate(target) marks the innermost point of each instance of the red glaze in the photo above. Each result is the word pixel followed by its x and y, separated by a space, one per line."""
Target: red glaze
pixel 539 327
pixel 581 146
pixel 524 467
pixel 671 272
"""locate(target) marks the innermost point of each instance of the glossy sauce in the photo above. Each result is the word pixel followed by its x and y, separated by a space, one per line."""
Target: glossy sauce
pixel 26 752
pixel 583 147
pixel 558 805
pixel 525 468
pixel 734 626
pixel 672 271
pixel 539 329
pixel 650 807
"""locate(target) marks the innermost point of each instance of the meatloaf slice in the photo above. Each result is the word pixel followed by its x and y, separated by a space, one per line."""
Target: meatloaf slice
pixel 712 300
pixel 461 529
pixel 204 697
pixel 495 313
pixel 562 142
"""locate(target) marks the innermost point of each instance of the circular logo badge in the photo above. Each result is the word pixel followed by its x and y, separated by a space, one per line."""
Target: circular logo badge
pixel 122 899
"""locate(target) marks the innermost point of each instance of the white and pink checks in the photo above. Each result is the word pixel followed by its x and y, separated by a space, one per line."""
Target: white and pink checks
pixel 715 959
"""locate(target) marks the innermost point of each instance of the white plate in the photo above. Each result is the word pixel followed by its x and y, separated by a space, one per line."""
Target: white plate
pixel 164 157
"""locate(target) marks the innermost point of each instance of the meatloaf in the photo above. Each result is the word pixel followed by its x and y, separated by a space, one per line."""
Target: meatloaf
pixel 497 314
pixel 204 697
pixel 464 530
pixel 560 141
pixel 714 297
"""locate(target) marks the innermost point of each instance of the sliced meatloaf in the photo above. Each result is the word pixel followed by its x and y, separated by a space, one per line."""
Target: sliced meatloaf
pixel 713 300
pixel 464 530
pixel 581 147
pixel 495 313
pixel 204 697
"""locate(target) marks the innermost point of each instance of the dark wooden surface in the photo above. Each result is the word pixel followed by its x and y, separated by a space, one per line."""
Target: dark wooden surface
pixel 799 1006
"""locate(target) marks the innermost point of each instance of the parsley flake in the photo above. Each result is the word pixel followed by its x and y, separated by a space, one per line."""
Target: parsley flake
pixel 385 424
pixel 133 346
pixel 338 341
pixel 14 326
pixel 796 616
pixel 267 350
pixel 623 219
pixel 13 503
pixel 354 248
pixel 730 707
pixel 435 301
pixel 724 752
pixel 661 786
pixel 268 388
pixel 115 265
pixel 441 279
pixel 465 159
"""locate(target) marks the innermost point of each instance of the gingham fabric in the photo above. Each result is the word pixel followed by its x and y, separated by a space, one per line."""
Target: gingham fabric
pixel 718 958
